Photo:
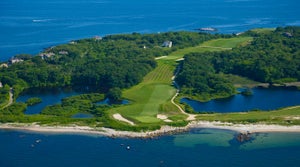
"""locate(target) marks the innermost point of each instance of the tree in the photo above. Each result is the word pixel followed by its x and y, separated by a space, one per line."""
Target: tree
pixel 114 95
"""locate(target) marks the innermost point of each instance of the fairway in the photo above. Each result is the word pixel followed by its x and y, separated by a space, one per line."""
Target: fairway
pixel 153 95
pixel 148 96
pixel 211 46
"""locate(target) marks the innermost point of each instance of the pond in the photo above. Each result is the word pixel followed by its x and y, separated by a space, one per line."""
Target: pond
pixel 54 96
pixel 107 102
pixel 262 99
pixel 48 96
pixel 82 115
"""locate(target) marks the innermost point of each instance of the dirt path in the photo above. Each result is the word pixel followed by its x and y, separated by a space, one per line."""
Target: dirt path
pixel 10 101
pixel 190 117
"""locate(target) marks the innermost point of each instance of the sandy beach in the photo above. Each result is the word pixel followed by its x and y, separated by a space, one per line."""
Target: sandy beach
pixel 241 128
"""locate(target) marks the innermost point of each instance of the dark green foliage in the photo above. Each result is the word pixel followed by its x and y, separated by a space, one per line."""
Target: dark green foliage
pixel 4 95
pixel 247 92
pixel 14 109
pixel 99 64
pixel 273 57
pixel 198 78
pixel 84 103
pixel 114 95
pixel 33 101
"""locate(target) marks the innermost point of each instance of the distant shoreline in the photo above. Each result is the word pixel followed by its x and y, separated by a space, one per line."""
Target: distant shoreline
pixel 165 130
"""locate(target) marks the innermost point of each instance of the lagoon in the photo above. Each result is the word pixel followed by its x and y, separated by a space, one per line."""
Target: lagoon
pixel 48 96
pixel 262 99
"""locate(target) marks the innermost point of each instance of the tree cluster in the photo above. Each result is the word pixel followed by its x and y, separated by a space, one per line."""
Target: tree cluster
pixel 271 57
pixel 199 79
pixel 100 64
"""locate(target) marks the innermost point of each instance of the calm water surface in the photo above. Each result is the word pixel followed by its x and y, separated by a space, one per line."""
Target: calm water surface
pixel 48 96
pixel 263 99
pixel 199 147
pixel 31 25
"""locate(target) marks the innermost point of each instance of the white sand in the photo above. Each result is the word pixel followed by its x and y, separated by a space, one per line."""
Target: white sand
pixel 252 128
pixel 121 118
pixel 163 117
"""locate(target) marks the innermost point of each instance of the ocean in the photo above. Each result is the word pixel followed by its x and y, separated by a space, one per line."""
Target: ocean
pixel 199 147
pixel 29 26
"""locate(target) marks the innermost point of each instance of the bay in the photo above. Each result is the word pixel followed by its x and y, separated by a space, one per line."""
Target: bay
pixel 32 25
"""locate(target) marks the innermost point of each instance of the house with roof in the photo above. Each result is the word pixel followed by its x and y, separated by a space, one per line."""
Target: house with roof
pixel 287 34
pixel 46 55
pixel 14 60
pixel 167 44
pixel 63 52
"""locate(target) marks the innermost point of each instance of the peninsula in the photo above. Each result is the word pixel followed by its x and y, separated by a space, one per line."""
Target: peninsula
pixel 153 72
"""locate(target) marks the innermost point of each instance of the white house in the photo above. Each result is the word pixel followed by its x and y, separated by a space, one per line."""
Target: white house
pixel 15 60
pixel 63 52
pixel 167 44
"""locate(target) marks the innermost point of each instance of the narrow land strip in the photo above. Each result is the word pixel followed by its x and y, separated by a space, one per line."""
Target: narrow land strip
pixel 242 128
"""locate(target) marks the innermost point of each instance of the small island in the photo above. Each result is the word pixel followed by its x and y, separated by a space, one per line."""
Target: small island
pixel 33 101
pixel 153 76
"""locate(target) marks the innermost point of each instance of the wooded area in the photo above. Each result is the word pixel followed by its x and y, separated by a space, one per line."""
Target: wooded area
pixel 272 57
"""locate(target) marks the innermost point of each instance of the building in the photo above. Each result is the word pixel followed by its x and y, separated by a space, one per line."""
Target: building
pixel 46 55
pixel 4 65
pixel 287 34
pixel 14 60
pixel 63 52
pixel 97 38
pixel 167 44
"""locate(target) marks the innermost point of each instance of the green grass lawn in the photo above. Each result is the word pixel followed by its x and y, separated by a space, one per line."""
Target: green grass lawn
pixel 286 116
pixel 263 30
pixel 211 46
pixel 148 97
pixel 152 96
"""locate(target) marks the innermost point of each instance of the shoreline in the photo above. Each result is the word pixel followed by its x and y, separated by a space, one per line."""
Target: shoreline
pixel 165 130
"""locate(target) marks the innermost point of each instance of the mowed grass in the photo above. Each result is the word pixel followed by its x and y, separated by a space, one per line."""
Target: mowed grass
pixel 211 46
pixel 147 97
pixel 153 95
pixel 228 43
pixel 163 73
pixel 285 116
pixel 263 30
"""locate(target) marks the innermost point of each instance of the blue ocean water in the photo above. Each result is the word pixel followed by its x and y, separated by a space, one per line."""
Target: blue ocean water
pixel 29 26
pixel 199 147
